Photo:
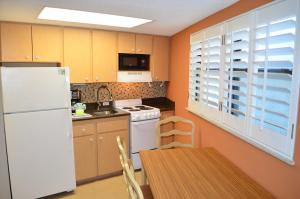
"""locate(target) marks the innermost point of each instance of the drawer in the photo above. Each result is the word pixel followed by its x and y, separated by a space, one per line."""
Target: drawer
pixel 112 124
pixel 82 128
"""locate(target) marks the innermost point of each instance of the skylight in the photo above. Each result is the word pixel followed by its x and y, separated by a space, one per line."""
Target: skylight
pixel 59 14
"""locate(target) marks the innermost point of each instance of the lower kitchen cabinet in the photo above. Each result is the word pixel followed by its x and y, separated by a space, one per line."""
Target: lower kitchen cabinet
pixel 85 153
pixel 108 154
pixel 95 146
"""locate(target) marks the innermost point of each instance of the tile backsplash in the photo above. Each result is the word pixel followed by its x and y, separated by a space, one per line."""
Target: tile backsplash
pixel 121 90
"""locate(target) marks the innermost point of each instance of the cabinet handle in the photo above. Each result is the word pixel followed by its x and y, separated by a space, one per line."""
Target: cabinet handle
pixel 27 57
pixel 139 50
pixel 86 79
pixel 83 129
pixel 100 138
pixel 91 140
pixel 37 57
pixel 97 79
pixel 132 49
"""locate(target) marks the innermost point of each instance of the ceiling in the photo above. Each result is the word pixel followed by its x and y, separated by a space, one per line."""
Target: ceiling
pixel 169 16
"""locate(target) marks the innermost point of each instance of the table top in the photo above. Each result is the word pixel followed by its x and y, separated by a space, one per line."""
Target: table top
pixel 186 173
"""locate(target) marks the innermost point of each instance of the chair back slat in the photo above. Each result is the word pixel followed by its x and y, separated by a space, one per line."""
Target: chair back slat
pixel 133 187
pixel 175 119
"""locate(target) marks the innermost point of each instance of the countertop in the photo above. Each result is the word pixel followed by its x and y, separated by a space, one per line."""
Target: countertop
pixel 92 107
pixel 163 103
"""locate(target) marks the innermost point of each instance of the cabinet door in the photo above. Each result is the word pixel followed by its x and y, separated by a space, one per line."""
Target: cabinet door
pixel 160 70
pixel 104 56
pixel 143 44
pixel 126 42
pixel 85 153
pixel 16 42
pixel 167 127
pixel 108 154
pixel 77 54
pixel 47 44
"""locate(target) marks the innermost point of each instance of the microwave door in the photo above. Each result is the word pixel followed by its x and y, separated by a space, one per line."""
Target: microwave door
pixel 134 62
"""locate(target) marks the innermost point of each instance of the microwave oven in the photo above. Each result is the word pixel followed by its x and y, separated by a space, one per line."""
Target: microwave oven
pixel 134 62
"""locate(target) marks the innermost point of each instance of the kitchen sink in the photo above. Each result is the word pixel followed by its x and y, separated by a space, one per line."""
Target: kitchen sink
pixel 107 112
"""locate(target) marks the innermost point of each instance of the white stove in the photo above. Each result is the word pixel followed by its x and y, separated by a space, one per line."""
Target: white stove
pixel 142 133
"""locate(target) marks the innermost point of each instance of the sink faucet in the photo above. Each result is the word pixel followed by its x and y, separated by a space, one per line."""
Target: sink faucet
pixel 109 92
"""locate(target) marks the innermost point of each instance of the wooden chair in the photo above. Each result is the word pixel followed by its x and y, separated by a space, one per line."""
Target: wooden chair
pixel 134 189
pixel 173 144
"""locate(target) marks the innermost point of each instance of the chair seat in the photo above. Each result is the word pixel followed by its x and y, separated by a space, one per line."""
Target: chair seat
pixel 146 192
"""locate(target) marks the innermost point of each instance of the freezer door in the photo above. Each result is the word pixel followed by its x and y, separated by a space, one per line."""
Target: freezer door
pixel 29 88
pixel 142 135
pixel 40 153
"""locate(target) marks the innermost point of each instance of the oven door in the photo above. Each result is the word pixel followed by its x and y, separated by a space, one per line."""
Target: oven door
pixel 143 135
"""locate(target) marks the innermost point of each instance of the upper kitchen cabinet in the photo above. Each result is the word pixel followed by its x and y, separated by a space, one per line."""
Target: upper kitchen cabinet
pixel 16 42
pixel 134 43
pixel 126 42
pixel 143 44
pixel 104 56
pixel 160 58
pixel 77 54
pixel 47 44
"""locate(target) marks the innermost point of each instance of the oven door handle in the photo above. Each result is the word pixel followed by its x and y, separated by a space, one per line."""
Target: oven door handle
pixel 145 121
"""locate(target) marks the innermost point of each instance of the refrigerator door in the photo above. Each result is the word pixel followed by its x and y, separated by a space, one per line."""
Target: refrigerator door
pixel 40 153
pixel 32 89
pixel 4 176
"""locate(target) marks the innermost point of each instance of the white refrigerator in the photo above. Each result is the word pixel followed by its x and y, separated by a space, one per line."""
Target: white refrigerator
pixel 36 144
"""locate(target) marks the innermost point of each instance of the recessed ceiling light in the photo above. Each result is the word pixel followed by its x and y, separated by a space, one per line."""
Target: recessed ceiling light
pixel 59 14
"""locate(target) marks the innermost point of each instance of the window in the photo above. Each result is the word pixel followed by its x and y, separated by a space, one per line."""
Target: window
pixel 244 76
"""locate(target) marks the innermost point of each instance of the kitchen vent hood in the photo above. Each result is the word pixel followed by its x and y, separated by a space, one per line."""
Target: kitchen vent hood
pixel 134 76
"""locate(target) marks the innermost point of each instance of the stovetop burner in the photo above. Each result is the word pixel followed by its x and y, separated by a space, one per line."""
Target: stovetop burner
pixel 144 107
pixel 126 107
pixel 133 110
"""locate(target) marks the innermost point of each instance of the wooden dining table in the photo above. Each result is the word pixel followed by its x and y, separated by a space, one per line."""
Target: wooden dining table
pixel 190 173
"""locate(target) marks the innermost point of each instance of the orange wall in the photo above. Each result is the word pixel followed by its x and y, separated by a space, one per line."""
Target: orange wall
pixel 281 179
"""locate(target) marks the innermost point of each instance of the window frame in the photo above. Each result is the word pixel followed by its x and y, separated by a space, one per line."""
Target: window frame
pixel 194 107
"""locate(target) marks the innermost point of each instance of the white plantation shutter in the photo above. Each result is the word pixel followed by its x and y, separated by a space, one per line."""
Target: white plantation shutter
pixel 195 70
pixel 235 85
pixel 245 76
pixel 272 77
pixel 210 72
pixel 195 61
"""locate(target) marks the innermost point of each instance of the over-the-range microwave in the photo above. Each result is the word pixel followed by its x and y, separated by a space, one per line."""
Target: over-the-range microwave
pixel 134 62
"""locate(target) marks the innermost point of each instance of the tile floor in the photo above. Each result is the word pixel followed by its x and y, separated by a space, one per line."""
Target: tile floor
pixel 110 188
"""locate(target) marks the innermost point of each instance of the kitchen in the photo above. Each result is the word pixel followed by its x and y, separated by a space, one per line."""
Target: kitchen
pixel 121 79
